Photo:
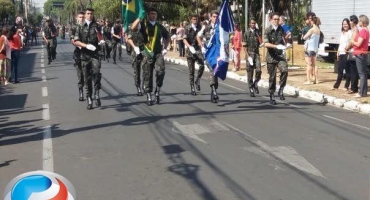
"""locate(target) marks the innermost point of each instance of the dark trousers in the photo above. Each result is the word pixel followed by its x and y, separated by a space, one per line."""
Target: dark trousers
pixel 51 48
pixel 353 74
pixel 78 65
pixel 272 69
pixel 14 68
pixel 343 64
pixel 256 67
pixel 116 44
pixel 181 48
pixel 91 72
pixel 148 65
pixel 136 64
pixel 361 64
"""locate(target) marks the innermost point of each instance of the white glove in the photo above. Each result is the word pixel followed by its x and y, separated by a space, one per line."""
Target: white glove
pixel 250 60
pixel 101 42
pixel 137 50
pixel 288 45
pixel 192 50
pixel 90 47
pixel 164 52
pixel 204 50
pixel 281 47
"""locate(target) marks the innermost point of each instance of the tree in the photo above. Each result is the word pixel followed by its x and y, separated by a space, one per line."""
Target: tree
pixel 7 9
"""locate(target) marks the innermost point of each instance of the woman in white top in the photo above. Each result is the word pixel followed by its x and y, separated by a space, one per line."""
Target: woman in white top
pixel 312 38
pixel 342 55
pixel 6 68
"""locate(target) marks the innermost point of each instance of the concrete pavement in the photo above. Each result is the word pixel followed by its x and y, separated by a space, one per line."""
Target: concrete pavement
pixel 186 147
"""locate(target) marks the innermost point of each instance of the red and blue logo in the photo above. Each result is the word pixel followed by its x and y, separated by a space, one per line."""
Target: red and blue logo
pixel 39 185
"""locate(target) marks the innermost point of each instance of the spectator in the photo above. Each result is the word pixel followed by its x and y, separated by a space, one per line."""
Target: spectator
pixel 180 35
pixel 312 38
pixel 15 45
pixel 4 49
pixel 360 47
pixel 173 37
pixel 353 21
pixel 342 55
pixel 237 46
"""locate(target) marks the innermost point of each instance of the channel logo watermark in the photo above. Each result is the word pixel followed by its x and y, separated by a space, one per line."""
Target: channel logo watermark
pixel 39 185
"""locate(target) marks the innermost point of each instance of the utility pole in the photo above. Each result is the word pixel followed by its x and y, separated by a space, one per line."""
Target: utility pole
pixel 246 15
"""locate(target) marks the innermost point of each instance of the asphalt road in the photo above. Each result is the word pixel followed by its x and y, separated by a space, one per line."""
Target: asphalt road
pixel 186 147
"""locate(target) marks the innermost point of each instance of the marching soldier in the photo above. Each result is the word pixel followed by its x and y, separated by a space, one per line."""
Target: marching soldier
pixel 88 37
pixel 107 35
pixel 275 58
pixel 116 34
pixel 194 53
pixel 252 41
pixel 49 34
pixel 153 32
pixel 136 40
pixel 77 54
pixel 209 31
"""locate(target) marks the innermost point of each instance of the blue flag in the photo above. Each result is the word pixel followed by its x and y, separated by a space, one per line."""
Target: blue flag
pixel 217 53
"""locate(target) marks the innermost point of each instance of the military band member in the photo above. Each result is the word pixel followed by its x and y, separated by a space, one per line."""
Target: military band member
pixel 49 34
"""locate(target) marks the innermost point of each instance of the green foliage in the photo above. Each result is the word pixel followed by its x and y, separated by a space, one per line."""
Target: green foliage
pixel 110 9
pixel 7 9
pixel 35 19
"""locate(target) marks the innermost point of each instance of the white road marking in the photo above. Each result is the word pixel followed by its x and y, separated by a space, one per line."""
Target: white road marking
pixel 47 150
pixel 42 60
pixel 42 56
pixel 42 65
pixel 44 91
pixel 191 130
pixel 43 78
pixel 284 153
pixel 43 71
pixel 346 122
pixel 177 69
pixel 233 87
pixel 45 112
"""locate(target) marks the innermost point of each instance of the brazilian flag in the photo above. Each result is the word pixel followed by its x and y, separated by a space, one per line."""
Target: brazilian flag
pixel 131 10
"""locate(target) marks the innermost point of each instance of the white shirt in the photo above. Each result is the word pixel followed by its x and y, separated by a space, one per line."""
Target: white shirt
pixel 345 37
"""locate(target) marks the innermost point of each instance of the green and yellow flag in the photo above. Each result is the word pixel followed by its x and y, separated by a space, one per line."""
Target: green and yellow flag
pixel 131 10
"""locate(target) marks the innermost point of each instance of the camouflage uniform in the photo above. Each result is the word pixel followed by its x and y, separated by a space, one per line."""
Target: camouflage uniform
pixel 208 32
pixel 77 58
pixel 138 40
pixel 275 58
pixel 116 43
pixel 251 42
pixel 107 46
pixel 50 34
pixel 90 62
pixel 191 37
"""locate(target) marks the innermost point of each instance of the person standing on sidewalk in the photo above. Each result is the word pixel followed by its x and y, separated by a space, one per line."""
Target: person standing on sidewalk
pixel 273 41
pixel 77 54
pixel 153 32
pixel 136 39
pixel 107 35
pixel 237 45
pixel 252 41
pixel 116 33
pixel 49 35
pixel 194 52
pixel 15 46
pixel 360 50
pixel 88 37
pixel 342 55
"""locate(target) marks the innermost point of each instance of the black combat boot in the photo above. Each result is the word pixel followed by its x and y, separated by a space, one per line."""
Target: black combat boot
pixel 81 94
pixel 157 98
pixel 281 93
pixel 214 95
pixel 251 91
pixel 139 92
pixel 89 103
pixel 149 100
pixel 97 98
pixel 197 84
pixel 272 99
pixel 255 86
pixel 192 90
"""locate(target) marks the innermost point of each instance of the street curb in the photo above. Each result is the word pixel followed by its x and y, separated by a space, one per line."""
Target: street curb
pixel 296 92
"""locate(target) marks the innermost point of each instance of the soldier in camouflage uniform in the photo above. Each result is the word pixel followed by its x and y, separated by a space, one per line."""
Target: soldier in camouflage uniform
pixel 49 34
pixel 275 58
pixel 194 52
pixel 136 40
pixel 116 35
pixel 88 37
pixel 153 32
pixel 252 41
pixel 208 32
pixel 107 35
pixel 77 54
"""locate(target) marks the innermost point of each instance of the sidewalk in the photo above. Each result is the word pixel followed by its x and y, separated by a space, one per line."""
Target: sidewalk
pixel 297 75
